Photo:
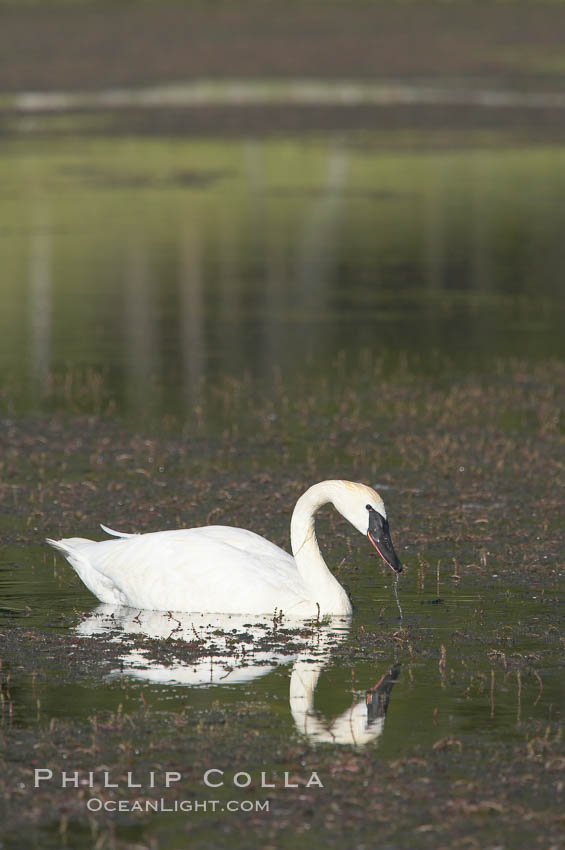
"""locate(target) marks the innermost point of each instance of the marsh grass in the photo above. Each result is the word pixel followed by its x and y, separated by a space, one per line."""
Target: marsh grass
pixel 352 392
pixel 470 468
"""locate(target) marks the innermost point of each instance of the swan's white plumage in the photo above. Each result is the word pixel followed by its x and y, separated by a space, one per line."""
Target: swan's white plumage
pixel 201 564
pixel 113 533
pixel 220 568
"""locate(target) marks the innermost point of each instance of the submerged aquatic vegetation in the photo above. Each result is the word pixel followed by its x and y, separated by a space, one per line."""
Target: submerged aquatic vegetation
pixel 469 467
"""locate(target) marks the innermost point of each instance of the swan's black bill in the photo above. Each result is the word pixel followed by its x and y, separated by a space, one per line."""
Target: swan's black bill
pixel 379 535
pixel 377 697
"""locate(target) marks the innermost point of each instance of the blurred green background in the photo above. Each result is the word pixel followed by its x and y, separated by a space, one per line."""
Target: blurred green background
pixel 192 190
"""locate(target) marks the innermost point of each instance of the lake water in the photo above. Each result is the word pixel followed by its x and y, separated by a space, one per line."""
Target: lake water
pixel 164 264
pixel 471 656
pixel 190 332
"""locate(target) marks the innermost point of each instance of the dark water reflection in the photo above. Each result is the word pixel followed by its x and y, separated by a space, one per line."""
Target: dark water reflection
pixel 164 264
pixel 139 275
pixel 476 664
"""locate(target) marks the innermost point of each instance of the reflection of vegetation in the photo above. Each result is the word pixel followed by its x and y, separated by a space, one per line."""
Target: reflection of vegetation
pixel 163 264
pixel 469 465
pixel 299 262
pixel 524 398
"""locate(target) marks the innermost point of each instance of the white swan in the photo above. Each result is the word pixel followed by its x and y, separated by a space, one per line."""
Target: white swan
pixel 230 570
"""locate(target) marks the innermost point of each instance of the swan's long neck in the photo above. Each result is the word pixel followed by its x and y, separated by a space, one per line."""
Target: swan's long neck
pixel 351 727
pixel 321 585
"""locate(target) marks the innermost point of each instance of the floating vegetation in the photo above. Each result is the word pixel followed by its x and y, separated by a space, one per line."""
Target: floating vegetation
pixel 469 466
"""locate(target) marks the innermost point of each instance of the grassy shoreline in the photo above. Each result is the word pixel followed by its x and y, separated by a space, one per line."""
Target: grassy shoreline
pixel 47 46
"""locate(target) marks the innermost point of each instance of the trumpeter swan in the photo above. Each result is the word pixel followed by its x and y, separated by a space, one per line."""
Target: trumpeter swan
pixel 222 569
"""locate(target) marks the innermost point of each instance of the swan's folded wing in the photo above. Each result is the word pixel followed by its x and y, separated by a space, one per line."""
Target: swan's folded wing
pixel 247 541
pixel 212 569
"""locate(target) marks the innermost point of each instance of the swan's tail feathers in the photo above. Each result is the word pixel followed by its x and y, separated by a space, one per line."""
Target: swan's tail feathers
pixel 70 547
pixel 76 550
pixel 113 533
pixel 60 545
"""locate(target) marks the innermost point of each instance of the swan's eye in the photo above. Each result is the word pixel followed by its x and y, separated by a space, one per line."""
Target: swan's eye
pixel 369 508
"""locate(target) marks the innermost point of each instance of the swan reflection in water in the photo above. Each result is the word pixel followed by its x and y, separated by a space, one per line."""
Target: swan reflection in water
pixel 238 648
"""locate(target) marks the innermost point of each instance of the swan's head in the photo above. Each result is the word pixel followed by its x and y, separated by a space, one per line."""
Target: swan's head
pixel 364 509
